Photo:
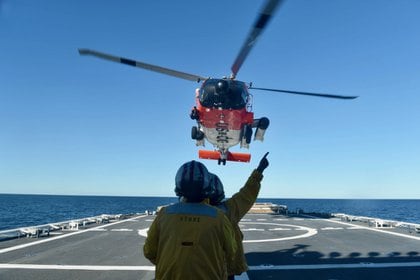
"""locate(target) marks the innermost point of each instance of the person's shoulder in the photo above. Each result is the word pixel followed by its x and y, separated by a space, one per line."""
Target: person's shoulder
pixel 223 206
pixel 172 207
pixel 165 208
pixel 215 211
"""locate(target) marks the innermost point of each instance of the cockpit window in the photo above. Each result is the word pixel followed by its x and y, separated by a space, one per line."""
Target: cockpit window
pixel 225 94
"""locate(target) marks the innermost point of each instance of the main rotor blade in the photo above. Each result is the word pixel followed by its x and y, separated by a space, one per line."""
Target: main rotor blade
pixel 259 25
pixel 143 65
pixel 307 93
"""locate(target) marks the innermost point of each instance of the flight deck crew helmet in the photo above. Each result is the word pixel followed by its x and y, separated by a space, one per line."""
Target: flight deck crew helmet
pixel 219 193
pixel 192 182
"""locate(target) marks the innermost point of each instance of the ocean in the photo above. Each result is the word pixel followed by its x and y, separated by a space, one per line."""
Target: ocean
pixel 17 210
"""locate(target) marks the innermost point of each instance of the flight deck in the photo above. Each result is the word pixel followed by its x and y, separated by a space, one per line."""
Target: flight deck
pixel 297 246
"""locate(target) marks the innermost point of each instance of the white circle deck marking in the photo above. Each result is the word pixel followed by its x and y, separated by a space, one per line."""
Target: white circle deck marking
pixel 309 232
pixel 121 229
pixel 143 232
pixel 253 229
pixel 274 229
pixel 332 228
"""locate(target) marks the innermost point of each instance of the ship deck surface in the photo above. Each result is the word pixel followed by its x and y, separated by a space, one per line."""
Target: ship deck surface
pixel 276 247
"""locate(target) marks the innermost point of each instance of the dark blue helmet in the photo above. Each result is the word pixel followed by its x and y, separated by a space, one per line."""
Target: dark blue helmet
pixel 219 193
pixel 192 182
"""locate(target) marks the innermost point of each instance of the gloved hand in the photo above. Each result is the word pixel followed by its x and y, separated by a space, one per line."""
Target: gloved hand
pixel 263 163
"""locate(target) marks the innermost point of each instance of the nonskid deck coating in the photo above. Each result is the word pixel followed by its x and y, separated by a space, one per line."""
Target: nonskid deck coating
pixel 276 247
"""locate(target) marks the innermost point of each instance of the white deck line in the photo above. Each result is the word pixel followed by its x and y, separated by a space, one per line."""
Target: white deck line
pixel 76 267
pixel 309 232
pixel 152 268
pixel 243 276
pixel 17 247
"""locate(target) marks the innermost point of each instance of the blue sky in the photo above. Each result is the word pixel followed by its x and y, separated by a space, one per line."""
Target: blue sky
pixel 79 125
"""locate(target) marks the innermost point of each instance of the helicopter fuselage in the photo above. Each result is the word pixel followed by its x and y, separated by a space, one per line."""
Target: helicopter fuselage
pixel 224 127
pixel 223 114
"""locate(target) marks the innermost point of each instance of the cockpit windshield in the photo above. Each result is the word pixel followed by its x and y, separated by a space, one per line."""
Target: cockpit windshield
pixel 225 94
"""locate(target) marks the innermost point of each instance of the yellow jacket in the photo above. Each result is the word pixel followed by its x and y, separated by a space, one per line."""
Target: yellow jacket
pixel 190 241
pixel 235 208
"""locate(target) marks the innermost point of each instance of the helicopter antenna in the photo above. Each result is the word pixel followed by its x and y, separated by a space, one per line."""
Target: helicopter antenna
pixel 259 25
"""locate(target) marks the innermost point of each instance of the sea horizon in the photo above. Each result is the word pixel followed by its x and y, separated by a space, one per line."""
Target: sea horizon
pixel 24 210
pixel 170 196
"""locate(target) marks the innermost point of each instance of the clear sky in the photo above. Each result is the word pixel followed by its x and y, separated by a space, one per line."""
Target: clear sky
pixel 73 124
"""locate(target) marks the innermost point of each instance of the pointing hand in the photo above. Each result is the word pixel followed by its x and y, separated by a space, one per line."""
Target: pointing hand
pixel 263 163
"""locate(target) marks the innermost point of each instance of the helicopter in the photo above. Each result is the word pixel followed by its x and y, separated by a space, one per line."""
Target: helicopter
pixel 223 110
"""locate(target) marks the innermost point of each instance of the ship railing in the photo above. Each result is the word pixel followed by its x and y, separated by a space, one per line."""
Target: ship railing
pixel 378 223
pixel 267 208
pixel 46 229
pixel 411 227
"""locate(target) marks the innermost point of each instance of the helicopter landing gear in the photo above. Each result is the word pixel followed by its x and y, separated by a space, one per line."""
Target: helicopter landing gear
pixel 246 136
pixel 248 133
pixel 196 134
pixel 223 155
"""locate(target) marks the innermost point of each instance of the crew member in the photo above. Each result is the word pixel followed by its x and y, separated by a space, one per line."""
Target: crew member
pixel 191 239
pixel 236 207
